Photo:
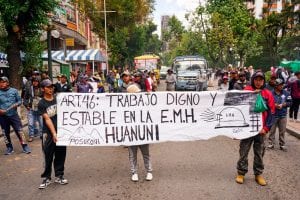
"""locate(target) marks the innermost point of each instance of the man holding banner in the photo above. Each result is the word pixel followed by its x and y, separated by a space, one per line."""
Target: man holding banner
pixel 47 107
pixel 257 85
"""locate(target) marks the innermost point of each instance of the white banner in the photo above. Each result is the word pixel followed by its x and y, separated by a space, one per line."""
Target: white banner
pixel 112 119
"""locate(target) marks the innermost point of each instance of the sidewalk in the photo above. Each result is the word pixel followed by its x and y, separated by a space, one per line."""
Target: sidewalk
pixel 293 128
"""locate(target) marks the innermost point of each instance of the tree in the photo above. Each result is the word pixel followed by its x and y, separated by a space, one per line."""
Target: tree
pixel 241 23
pixel 22 20
pixel 125 27
pixel 278 29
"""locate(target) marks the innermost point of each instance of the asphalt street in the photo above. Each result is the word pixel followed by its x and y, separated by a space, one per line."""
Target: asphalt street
pixel 182 170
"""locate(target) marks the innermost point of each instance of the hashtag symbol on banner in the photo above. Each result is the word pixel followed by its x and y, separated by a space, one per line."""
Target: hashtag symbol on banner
pixel 255 123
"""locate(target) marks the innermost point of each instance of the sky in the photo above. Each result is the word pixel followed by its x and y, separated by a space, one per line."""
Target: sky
pixel 173 7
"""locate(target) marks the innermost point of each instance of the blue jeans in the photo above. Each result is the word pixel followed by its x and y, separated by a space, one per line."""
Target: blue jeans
pixel 15 122
pixel 33 119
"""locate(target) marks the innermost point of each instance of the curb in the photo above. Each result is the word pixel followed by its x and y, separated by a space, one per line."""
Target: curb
pixel 293 132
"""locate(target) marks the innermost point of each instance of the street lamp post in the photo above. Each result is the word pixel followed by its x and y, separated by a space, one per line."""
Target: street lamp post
pixel 49 53
pixel 51 31
pixel 105 32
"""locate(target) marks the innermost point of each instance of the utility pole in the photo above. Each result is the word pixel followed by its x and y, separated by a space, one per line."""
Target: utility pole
pixel 105 31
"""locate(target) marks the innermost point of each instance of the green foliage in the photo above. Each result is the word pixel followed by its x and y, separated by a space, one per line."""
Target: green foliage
pixel 235 18
pixel 280 33
pixel 289 48
pixel 29 15
pixel 33 48
pixel 128 29
pixel 22 22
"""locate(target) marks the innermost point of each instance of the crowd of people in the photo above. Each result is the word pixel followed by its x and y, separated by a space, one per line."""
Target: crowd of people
pixel 38 97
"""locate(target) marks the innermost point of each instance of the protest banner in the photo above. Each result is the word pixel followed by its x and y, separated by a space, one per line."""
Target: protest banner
pixel 113 119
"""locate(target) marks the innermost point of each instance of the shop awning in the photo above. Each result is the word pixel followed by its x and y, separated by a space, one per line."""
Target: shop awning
pixel 294 65
pixel 89 55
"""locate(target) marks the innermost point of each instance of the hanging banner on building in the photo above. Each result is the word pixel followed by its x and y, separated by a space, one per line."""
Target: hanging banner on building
pixel 113 119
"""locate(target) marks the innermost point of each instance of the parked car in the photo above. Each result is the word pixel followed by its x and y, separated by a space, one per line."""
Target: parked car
pixel 163 72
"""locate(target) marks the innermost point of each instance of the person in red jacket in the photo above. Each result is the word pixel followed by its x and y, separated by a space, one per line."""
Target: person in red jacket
pixel 257 85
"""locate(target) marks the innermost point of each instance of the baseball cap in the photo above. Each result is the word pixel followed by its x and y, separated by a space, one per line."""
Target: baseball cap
pixel 4 78
pixel 137 74
pixel 46 83
pixel 125 74
pixel 258 74
pixel 134 88
pixel 35 79
pixel 279 81
pixel 242 74
pixel 35 72
pixel 63 75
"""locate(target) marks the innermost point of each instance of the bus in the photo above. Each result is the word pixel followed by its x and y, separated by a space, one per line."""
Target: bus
pixel 148 62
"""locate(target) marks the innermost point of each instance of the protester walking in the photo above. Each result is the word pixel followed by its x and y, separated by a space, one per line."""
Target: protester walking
pixel 224 85
pixel 242 82
pixel 282 102
pixel 170 80
pixel 32 96
pixel 63 85
pixel 84 86
pixel 233 79
pixel 257 85
pixel 52 154
pixel 9 101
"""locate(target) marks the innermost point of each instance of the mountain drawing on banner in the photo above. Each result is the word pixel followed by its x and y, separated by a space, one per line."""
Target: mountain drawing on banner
pixel 95 135
pixel 80 133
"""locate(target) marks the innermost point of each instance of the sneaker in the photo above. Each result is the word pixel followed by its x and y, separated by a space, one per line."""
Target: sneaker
pixel 149 176
pixel 45 183
pixel 270 146
pixel 26 149
pixel 260 180
pixel 30 139
pixel 283 148
pixel 61 180
pixel 239 179
pixel 135 177
pixel 9 151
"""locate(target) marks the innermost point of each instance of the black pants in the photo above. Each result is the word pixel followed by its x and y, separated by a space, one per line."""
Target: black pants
pixel 51 151
pixel 294 109
pixel 258 148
